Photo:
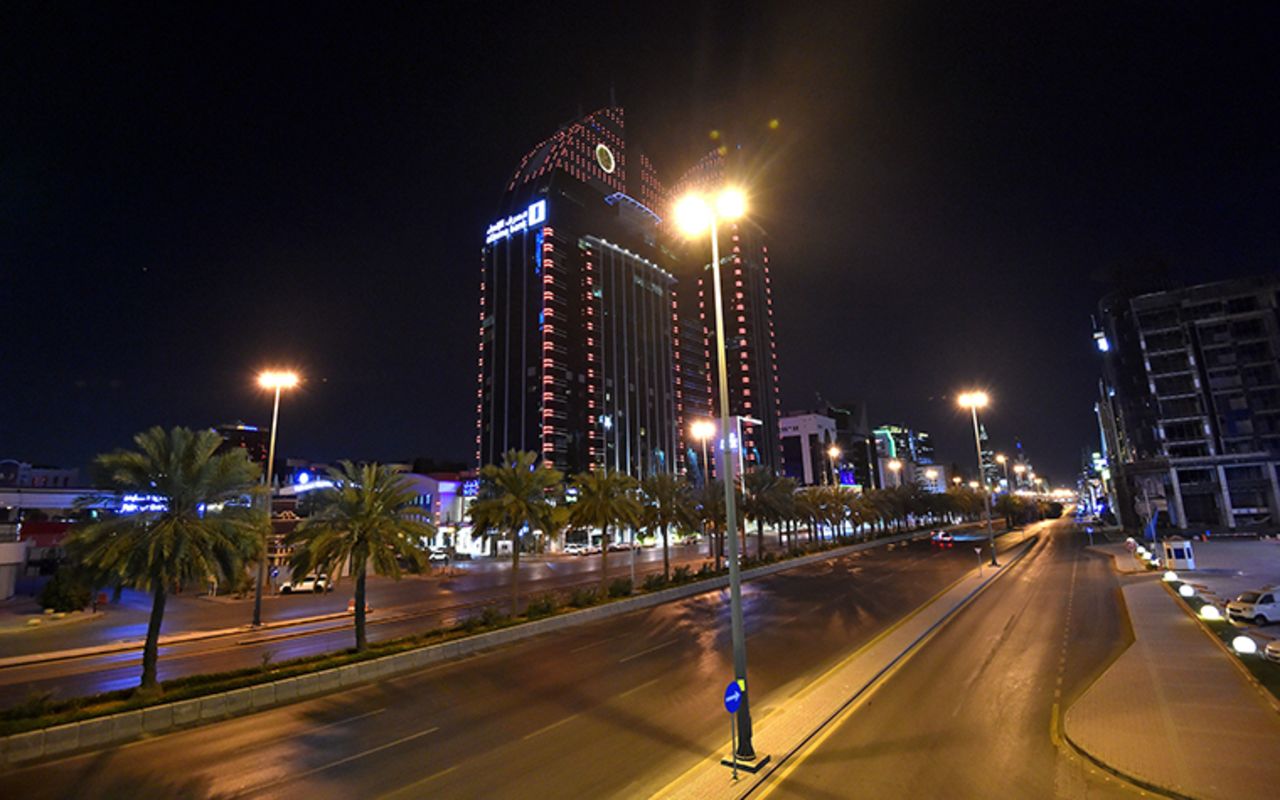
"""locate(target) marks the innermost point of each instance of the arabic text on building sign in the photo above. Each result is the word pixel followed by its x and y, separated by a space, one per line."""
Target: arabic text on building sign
pixel 535 214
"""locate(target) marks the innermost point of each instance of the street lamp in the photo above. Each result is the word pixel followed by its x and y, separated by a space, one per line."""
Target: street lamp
pixel 833 453
pixel 1018 469
pixel 697 215
pixel 276 382
pixel 702 430
pixel 974 401
pixel 895 466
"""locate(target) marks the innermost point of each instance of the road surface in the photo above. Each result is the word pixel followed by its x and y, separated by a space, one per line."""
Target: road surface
pixel 615 708
pixel 970 714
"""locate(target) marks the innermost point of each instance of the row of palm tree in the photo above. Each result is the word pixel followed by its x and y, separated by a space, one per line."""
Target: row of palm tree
pixel 520 496
pixel 205 520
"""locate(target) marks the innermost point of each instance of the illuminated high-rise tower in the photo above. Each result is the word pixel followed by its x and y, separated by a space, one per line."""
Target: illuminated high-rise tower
pixel 577 344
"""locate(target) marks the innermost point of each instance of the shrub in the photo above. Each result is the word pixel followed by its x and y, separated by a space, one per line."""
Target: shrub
pixel 705 570
pixel 65 591
pixel 491 616
pixel 620 587
pixel 681 574
pixel 582 598
pixel 654 582
pixel 543 606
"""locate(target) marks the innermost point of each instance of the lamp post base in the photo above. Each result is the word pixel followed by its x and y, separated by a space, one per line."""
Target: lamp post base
pixel 753 766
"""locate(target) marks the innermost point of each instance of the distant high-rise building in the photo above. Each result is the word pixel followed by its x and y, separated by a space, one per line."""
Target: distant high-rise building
pixel 1189 406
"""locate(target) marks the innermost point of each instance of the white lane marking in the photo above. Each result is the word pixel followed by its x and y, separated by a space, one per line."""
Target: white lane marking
pixel 646 652
pixel 299 775
pixel 552 726
pixel 345 721
pixel 596 643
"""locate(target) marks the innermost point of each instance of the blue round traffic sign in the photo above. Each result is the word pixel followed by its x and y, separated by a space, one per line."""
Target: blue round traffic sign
pixel 732 697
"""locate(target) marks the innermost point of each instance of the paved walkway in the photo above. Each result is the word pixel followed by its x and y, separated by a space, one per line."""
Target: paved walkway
pixel 788 726
pixel 1172 711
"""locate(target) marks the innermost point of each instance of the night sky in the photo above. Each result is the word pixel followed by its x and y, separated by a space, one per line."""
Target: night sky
pixel 185 198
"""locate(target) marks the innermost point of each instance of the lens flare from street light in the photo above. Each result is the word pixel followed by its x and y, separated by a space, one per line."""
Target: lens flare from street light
pixel 693 215
pixel 1019 468
pixel 1000 458
pixel 973 484
pixel 833 452
pixel 895 465
pixel 973 399
pixel 931 474
pixel 702 429
pixel 731 204
pixel 271 379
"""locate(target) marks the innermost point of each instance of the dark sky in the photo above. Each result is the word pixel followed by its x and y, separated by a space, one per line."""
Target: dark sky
pixel 187 197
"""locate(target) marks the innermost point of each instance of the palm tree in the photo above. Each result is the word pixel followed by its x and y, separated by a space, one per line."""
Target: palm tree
pixel 808 508
pixel 784 499
pixel 761 502
pixel 605 499
pixel 198 524
pixel 368 518
pixel 515 495
pixel 667 503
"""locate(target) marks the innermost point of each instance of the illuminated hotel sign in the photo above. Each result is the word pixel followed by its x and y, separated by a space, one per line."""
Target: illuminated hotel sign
pixel 535 214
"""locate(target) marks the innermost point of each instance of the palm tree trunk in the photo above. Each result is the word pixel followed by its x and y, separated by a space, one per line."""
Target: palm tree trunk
pixel 362 642
pixel 666 555
pixel 515 572
pixel 760 539
pixel 151 650
pixel 604 558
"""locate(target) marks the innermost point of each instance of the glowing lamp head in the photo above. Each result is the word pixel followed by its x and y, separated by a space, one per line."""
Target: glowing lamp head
pixel 973 399
pixel 702 429
pixel 1000 458
pixel 895 465
pixel 973 484
pixel 277 380
pixel 931 474
pixel 693 215
pixel 1019 468
pixel 833 452
pixel 1170 576
pixel 1210 612
pixel 1186 591
pixel 957 480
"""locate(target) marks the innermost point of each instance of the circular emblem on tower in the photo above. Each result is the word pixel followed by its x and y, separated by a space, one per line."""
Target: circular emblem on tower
pixel 604 157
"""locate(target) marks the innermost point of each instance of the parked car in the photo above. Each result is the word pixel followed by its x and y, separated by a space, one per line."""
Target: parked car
pixel 1272 651
pixel 575 549
pixel 943 538
pixel 438 554
pixel 310 583
pixel 619 546
pixel 1259 607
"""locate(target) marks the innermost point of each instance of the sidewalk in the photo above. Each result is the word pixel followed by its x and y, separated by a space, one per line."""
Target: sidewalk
pixel 781 731
pixel 1174 713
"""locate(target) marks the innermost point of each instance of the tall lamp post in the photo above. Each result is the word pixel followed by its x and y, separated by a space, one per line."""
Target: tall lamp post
pixel 696 215
pixel 275 381
pixel 1018 469
pixel 974 401
pixel 895 466
pixel 833 453
pixel 702 430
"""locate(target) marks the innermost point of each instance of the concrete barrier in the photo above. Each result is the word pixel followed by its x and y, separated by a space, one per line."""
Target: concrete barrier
pixel 125 726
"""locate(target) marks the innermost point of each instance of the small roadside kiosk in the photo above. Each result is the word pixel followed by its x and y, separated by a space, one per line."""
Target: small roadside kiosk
pixel 1178 554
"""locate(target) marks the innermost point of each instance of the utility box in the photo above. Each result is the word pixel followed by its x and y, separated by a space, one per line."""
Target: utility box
pixel 1178 554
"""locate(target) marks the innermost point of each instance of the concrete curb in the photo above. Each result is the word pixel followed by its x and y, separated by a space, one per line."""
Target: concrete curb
pixel 118 728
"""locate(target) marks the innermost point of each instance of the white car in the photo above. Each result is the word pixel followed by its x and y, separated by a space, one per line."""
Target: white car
pixel 1258 607
pixel 310 583
pixel 575 549
pixel 1272 651
pixel 438 554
